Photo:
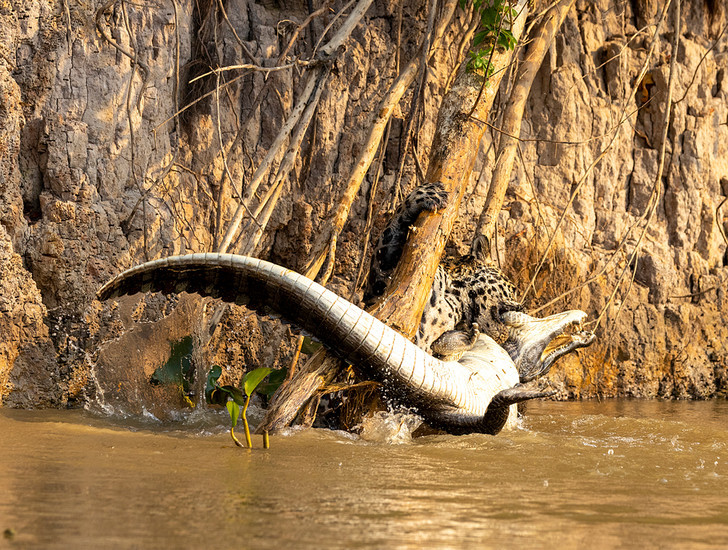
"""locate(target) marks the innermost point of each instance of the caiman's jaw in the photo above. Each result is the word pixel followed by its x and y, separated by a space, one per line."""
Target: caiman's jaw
pixel 535 344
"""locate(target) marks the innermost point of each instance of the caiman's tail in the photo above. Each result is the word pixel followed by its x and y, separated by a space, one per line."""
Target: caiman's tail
pixel 349 331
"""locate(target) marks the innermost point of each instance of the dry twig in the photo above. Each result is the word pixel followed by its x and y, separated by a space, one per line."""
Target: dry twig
pixel 512 123
pixel 326 51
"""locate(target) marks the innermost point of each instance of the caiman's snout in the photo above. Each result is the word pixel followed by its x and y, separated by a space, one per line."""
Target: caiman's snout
pixel 535 344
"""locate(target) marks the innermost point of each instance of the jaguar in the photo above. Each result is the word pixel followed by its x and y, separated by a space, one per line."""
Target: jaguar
pixel 469 294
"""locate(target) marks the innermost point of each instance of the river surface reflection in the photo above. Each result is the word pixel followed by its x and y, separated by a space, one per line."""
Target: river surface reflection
pixel 578 474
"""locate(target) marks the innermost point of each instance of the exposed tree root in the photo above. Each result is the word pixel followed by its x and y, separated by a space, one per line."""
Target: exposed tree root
pixel 511 126
pixel 327 239
pixel 311 84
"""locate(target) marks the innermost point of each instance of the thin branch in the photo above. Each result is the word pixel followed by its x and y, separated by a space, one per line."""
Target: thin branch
pixel 718 221
pixel 193 103
pixel 494 47
pixel 226 168
pixel 329 49
pixel 322 244
pixel 258 68
pixel 418 96
pixel 700 293
pixel 568 142
pixel 245 49
pixel 341 35
pixel 695 73
pixel 602 154
pixel 263 92
pixel 465 40
pixel 273 193
pixel 324 7
pixel 132 155
pixel 262 170
pixel 657 187
pixel 512 122
pixel 130 54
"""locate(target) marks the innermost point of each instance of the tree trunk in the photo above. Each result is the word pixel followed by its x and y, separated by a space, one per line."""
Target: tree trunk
pixel 460 128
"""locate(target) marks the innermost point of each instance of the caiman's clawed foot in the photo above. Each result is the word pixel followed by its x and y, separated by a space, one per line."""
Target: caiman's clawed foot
pixel 451 345
pixel 497 413
pixel 535 344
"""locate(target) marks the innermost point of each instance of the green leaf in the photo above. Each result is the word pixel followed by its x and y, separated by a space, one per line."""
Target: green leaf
pixel 177 370
pixel 275 380
pixel 489 17
pixel 214 375
pixel 235 394
pixel 253 378
pixel 309 346
pixel 234 410
pixel 211 386
pixel 507 40
pixel 479 37
pixel 475 61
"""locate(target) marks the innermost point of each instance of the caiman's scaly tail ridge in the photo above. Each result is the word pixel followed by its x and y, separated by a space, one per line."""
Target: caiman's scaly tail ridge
pixel 349 331
pixel 457 396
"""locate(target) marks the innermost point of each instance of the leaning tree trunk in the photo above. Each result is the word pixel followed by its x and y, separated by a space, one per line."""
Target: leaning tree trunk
pixel 460 127
pixel 543 36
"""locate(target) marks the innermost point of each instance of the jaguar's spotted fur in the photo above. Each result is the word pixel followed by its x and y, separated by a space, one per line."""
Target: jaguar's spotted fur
pixel 466 291
pixel 426 198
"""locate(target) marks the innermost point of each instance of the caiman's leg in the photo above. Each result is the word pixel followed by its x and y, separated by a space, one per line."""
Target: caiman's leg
pixel 451 345
pixel 497 413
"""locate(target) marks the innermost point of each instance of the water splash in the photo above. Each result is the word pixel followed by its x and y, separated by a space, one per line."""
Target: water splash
pixel 389 427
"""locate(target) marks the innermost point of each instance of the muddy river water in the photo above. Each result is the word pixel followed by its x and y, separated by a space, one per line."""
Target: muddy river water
pixel 576 475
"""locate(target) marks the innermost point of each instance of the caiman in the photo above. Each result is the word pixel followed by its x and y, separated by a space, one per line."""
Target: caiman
pixel 477 393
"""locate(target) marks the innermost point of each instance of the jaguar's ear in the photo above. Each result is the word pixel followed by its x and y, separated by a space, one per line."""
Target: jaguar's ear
pixel 480 248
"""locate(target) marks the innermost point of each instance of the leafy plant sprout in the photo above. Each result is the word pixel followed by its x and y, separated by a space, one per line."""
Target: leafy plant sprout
pixel 496 18
pixel 234 398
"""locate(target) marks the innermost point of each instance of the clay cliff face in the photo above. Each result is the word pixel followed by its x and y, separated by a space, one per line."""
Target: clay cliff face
pixel 96 175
